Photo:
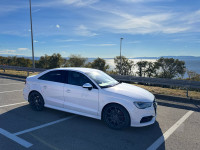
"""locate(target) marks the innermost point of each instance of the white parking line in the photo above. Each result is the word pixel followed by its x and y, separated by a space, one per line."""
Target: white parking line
pixel 171 130
pixel 11 91
pixel 15 138
pixel 13 104
pixel 21 141
pixel 12 83
pixel 44 125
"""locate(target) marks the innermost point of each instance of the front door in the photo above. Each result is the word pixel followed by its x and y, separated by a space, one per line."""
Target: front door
pixel 80 99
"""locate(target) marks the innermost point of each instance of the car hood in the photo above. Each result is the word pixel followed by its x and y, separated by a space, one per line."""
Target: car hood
pixel 132 91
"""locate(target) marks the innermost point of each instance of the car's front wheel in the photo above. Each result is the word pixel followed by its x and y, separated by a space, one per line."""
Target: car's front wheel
pixel 116 116
pixel 36 101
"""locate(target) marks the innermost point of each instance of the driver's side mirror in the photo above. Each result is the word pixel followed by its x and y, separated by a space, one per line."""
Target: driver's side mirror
pixel 88 86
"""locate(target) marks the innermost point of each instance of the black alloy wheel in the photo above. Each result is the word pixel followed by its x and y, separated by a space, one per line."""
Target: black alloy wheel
pixel 116 116
pixel 36 101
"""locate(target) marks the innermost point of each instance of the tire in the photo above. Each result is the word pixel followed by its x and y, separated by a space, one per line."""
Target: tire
pixel 36 101
pixel 116 117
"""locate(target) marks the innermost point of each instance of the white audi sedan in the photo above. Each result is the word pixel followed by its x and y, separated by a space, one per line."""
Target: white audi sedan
pixel 91 93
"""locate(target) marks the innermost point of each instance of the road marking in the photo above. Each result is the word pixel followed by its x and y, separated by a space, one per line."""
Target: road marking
pixel 12 83
pixel 13 104
pixel 15 138
pixel 170 131
pixel 44 125
pixel 10 91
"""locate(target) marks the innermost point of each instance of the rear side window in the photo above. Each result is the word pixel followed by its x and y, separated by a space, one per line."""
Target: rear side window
pixel 79 79
pixel 54 76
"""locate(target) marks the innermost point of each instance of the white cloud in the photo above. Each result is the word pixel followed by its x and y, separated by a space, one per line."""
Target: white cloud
pixel 9 8
pixel 35 41
pixel 142 1
pixel 68 40
pixel 58 26
pixel 120 21
pixel 191 18
pixel 99 44
pixel 63 52
pixel 76 3
pixel 9 52
pixel 22 49
pixel 84 31
pixel 79 2
pixel 36 10
pixel 174 29
pixel 134 42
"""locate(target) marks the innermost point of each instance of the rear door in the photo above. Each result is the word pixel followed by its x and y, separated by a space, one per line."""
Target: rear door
pixel 52 85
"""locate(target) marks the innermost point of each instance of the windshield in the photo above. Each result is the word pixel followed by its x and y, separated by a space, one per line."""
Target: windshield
pixel 102 79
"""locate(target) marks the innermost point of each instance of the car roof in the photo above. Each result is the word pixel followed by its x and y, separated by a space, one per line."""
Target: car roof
pixel 80 69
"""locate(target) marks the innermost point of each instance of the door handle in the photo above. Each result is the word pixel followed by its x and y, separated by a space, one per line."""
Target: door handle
pixel 68 91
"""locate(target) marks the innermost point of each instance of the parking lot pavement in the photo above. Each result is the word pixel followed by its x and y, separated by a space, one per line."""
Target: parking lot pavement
pixel 177 127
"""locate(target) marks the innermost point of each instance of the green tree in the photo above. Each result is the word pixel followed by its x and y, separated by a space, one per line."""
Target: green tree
pixel 151 69
pixel 127 65
pixel 15 61
pixel 193 75
pixel 43 62
pixel 76 61
pixel 98 63
pixel 141 68
pixel 55 61
pixel 48 62
pixel 3 60
pixel 23 62
pixel 170 68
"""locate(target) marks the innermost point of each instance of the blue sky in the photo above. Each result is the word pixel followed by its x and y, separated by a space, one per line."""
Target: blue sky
pixel 93 28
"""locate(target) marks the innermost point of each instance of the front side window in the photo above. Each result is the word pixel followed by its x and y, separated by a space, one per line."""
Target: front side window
pixel 79 79
pixel 102 79
pixel 54 76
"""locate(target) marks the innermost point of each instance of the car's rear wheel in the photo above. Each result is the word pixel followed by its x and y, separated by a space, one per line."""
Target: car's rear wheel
pixel 36 101
pixel 116 116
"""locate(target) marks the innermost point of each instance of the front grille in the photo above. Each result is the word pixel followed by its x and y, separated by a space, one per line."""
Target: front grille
pixel 146 119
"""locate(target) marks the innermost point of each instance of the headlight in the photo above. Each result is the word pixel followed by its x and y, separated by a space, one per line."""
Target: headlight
pixel 142 105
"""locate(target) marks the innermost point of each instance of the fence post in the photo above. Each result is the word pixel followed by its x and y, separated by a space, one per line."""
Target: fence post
pixel 27 73
pixel 187 93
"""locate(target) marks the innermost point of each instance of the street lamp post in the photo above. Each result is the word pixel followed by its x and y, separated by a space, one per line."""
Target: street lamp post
pixel 121 55
pixel 33 61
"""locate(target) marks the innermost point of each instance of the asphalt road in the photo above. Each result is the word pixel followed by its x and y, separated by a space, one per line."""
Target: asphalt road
pixel 177 126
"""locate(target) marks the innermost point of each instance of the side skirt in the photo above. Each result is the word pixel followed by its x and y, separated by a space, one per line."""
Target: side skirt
pixel 73 112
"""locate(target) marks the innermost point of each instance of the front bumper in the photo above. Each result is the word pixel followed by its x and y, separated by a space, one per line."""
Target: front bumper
pixel 143 117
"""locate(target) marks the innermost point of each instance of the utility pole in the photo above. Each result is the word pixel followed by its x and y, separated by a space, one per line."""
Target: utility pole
pixel 33 60
pixel 121 56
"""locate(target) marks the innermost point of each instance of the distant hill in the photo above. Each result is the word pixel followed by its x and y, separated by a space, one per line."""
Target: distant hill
pixel 175 57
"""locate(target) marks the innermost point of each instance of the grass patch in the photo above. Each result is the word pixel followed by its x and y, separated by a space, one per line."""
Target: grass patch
pixel 19 73
pixel 170 92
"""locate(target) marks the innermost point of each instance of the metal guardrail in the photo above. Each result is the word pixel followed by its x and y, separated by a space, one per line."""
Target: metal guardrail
pixel 157 81
pixel 17 68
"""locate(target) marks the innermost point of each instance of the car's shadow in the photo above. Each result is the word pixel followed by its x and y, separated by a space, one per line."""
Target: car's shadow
pixel 91 133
